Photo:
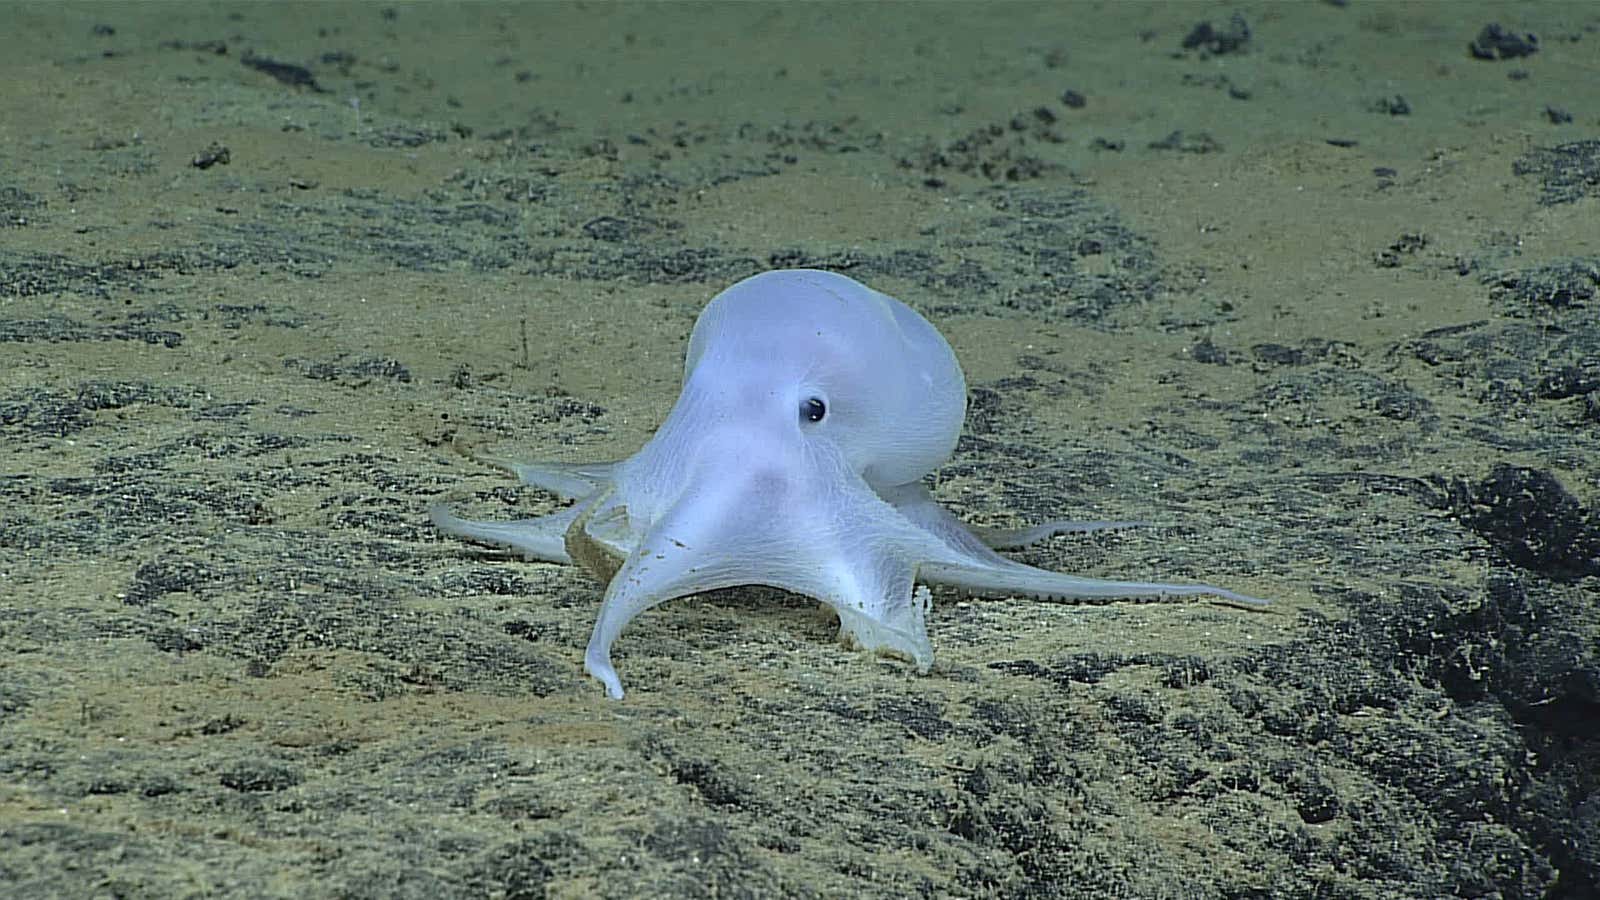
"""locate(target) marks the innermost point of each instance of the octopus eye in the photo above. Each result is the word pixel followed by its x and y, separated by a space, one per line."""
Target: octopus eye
pixel 812 409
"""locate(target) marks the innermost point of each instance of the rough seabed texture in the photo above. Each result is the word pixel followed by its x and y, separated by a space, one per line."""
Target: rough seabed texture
pixel 1312 287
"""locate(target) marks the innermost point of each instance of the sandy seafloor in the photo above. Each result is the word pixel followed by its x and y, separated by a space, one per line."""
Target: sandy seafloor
pixel 1320 304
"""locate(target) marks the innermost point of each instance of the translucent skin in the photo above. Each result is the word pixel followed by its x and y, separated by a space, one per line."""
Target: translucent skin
pixel 812 407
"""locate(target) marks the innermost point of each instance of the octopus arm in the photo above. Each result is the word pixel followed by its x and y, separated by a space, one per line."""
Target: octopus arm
pixel 542 538
pixel 1010 578
pixel 569 481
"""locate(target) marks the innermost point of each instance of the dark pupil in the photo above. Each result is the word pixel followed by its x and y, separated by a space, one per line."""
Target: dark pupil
pixel 812 410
